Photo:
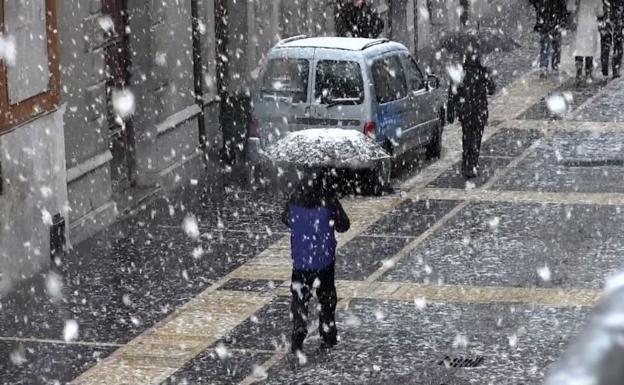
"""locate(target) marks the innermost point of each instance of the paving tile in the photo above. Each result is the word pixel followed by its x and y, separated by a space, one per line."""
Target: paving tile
pixel 363 255
pixel 572 162
pixel 509 142
pixel 45 362
pixel 539 111
pixel 269 329
pixel 607 107
pixel 505 244
pixel 256 285
pixel 454 177
pixel 385 342
pixel 411 218
pixel 208 368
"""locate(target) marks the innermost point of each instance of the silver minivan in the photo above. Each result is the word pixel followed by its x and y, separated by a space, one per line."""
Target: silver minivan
pixel 370 85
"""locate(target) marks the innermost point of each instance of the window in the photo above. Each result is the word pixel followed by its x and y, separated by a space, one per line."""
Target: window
pixel 389 79
pixel 339 80
pixel 31 85
pixel 415 78
pixel 287 78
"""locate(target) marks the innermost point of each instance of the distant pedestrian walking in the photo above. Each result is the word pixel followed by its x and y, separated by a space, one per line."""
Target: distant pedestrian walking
pixel 468 100
pixel 356 18
pixel 551 16
pixel 611 26
pixel 587 13
pixel 313 214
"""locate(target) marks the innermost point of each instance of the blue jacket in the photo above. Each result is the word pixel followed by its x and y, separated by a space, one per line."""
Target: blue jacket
pixel 313 223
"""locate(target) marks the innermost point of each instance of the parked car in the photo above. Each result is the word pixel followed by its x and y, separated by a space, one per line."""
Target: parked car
pixel 371 85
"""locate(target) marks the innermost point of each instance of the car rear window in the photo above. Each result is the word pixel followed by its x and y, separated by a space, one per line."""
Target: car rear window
pixel 338 80
pixel 389 79
pixel 287 78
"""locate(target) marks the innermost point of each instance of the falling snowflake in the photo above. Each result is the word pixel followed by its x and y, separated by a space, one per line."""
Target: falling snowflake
pixel 259 372
pixel 70 331
pixel 460 341
pixel 456 73
pixel 191 228
pixel 160 58
pixel 420 303
pixel 198 252
pixel 353 321
pixel 303 359
pixel 559 104
pixel 222 352
pixel 380 315
pixel 389 263
pixel 513 340
pixel 8 52
pixel 18 357
pixel 54 286
pixel 544 273
pixel 46 218
pixel 107 24
pixel 123 103
pixel 494 223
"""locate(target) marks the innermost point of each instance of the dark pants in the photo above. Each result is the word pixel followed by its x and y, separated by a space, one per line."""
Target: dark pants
pixel 550 49
pixel 589 65
pixel 472 132
pixel 302 287
pixel 609 38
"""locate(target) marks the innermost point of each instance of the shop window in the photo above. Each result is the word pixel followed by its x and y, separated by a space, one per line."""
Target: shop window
pixel 29 68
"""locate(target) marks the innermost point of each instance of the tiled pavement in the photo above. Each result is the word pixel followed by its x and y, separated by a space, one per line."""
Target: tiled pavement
pixel 499 273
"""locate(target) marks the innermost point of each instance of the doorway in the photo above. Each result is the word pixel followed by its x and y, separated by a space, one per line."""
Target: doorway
pixel 120 134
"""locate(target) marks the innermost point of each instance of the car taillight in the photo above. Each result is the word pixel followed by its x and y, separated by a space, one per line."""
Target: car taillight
pixel 253 128
pixel 370 130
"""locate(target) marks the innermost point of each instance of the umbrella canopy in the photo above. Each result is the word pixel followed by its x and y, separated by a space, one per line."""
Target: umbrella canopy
pixel 327 147
pixel 482 42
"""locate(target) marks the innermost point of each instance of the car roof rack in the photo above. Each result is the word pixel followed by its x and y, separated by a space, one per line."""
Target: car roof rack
pixel 376 42
pixel 292 38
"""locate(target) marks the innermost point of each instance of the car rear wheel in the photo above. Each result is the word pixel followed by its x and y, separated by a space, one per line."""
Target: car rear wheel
pixel 434 148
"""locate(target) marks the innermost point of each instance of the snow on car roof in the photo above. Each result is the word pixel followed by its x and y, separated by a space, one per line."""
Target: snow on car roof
pixel 345 43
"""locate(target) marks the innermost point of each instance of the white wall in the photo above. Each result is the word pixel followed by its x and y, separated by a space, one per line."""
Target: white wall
pixel 35 183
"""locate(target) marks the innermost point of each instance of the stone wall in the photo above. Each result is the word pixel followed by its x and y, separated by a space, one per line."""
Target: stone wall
pixel 34 190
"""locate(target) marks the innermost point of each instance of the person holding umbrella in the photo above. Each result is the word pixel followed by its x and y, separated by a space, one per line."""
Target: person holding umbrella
pixel 468 100
pixel 313 214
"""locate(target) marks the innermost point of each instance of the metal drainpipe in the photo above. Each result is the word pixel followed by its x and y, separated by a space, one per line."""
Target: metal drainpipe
pixel 197 75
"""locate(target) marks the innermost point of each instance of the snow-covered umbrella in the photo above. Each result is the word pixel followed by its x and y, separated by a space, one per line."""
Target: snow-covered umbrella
pixel 327 147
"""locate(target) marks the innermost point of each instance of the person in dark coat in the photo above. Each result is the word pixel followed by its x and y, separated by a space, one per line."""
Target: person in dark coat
pixel 468 100
pixel 357 18
pixel 611 26
pixel 313 214
pixel 551 17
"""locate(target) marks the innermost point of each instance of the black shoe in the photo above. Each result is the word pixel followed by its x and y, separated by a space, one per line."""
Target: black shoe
pixel 296 344
pixel 328 344
pixel 616 75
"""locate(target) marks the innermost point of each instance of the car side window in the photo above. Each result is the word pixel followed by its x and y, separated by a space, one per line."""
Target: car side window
pixel 389 79
pixel 415 78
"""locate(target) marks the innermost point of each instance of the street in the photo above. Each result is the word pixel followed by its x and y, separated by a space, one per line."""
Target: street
pixel 442 282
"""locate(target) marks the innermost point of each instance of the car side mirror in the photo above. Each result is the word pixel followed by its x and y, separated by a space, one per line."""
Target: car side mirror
pixel 433 82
